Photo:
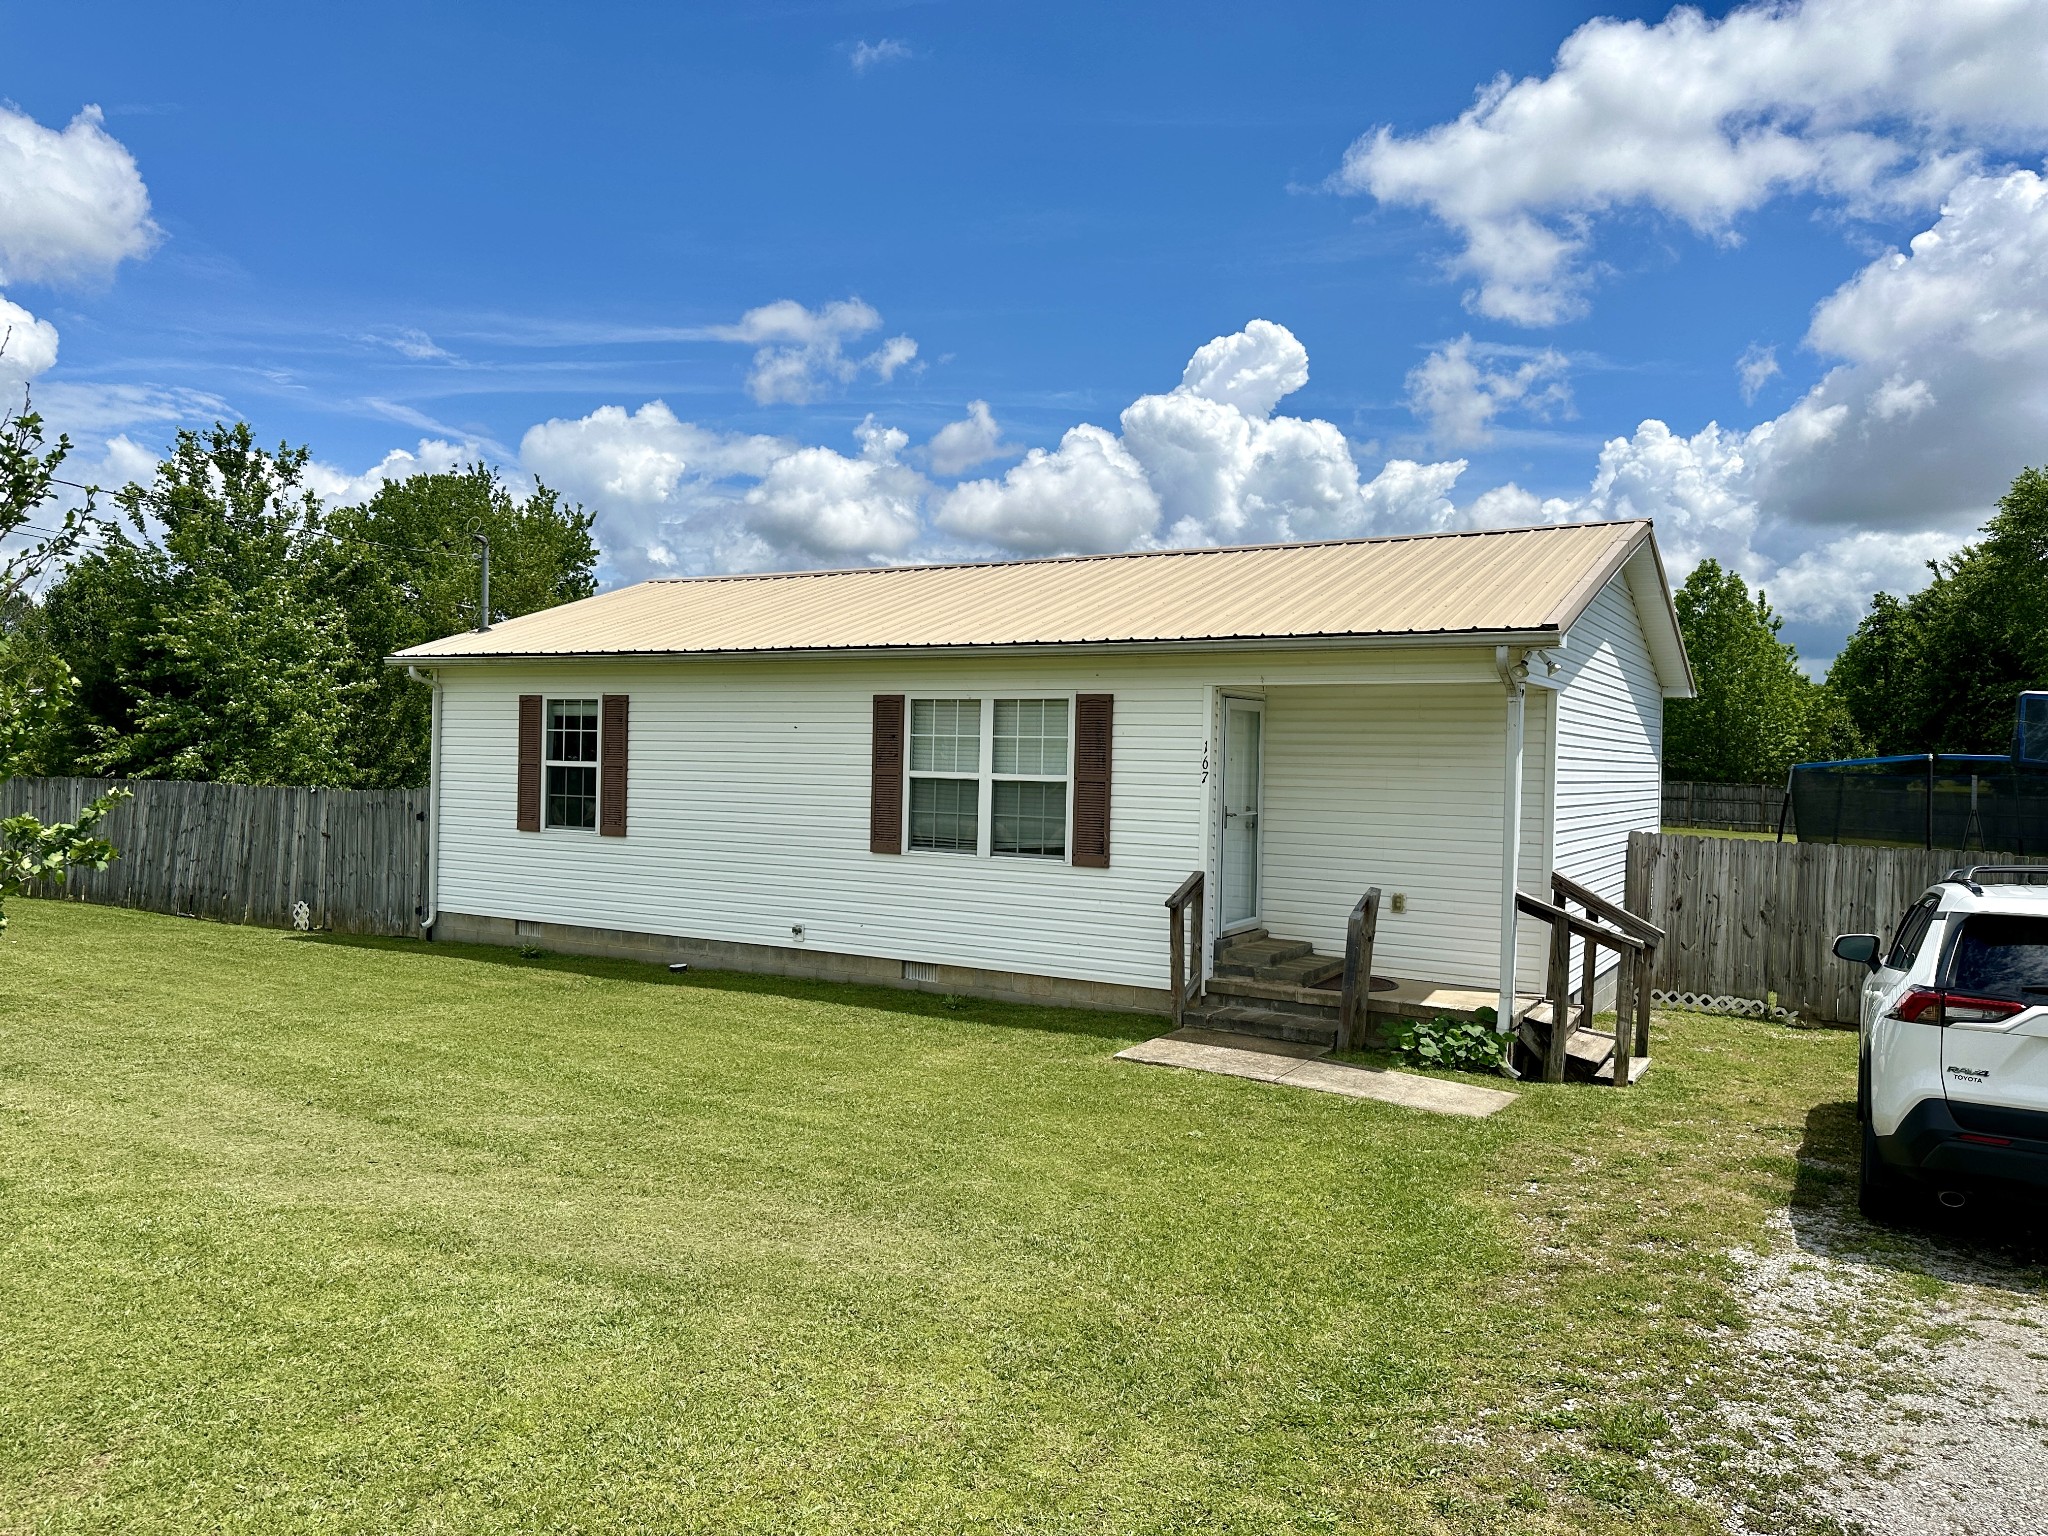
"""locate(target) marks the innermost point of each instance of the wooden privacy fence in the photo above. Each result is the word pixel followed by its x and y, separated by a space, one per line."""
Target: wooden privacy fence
pixel 248 853
pixel 1751 925
pixel 1733 807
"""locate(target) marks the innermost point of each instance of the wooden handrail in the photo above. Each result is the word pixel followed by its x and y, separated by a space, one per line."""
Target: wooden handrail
pixel 1633 938
pixel 1361 930
pixel 1585 928
pixel 1592 901
pixel 1184 910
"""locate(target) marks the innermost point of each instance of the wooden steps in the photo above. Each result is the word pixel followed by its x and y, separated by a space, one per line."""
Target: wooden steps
pixel 1271 988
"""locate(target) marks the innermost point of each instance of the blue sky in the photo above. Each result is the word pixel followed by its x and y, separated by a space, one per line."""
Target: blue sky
pixel 817 234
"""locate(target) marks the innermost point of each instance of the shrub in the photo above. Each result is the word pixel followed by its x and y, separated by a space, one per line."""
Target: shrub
pixel 1457 1045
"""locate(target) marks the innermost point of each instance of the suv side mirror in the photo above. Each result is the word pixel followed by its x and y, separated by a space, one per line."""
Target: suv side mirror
pixel 1859 948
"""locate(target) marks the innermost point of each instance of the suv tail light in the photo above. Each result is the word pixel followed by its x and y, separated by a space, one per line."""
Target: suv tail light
pixel 1923 1005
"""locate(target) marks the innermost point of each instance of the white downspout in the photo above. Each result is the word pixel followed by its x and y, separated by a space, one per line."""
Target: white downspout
pixel 1514 675
pixel 433 903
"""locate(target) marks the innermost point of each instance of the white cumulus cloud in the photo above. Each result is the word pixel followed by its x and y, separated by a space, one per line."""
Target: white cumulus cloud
pixel 434 456
pixel 72 203
pixel 1757 366
pixel 1458 395
pixel 1088 495
pixel 1872 103
pixel 28 346
pixel 959 446
pixel 1936 399
pixel 825 504
pixel 803 351
pixel 1207 462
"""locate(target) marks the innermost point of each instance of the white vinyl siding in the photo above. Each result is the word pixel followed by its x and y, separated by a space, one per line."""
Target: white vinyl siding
pixel 1401 788
pixel 1610 745
pixel 751 780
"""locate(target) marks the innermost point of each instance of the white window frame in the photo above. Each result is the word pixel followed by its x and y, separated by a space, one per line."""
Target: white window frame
pixel 596 765
pixel 987 777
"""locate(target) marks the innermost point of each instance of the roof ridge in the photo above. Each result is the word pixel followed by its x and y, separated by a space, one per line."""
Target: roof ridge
pixel 1143 554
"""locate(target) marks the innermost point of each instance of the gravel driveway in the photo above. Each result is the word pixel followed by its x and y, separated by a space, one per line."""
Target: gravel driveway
pixel 1894 1383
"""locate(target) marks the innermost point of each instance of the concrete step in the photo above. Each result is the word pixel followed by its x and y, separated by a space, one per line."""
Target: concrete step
pixel 1304 971
pixel 1245 956
pixel 1247 991
pixel 1266 1023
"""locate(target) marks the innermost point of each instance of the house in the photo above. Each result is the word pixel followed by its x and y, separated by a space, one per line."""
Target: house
pixel 988 779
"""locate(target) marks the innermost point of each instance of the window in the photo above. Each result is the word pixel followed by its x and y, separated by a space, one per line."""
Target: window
pixel 945 775
pixel 1030 792
pixel 2001 955
pixel 569 758
pixel 1912 930
pixel 989 776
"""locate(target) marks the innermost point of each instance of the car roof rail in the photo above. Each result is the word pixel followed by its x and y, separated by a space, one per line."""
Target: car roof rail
pixel 1972 877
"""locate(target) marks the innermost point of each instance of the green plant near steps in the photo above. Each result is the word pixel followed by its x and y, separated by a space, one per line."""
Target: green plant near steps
pixel 1456 1045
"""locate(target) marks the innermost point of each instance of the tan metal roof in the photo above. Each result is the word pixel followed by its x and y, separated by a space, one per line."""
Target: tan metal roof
pixel 1503 582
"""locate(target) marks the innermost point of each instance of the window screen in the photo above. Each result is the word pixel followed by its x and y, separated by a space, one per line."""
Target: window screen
pixel 945 815
pixel 571 763
pixel 945 736
pixel 945 739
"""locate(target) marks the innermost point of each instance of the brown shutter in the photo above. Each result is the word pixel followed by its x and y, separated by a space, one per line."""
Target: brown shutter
pixel 529 762
pixel 611 772
pixel 1093 714
pixel 885 796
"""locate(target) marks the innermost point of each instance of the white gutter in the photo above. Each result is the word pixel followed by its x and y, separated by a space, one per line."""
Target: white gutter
pixel 433 901
pixel 1513 666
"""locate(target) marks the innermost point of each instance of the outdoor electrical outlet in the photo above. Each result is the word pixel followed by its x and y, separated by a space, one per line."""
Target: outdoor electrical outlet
pixel 796 931
pixel 1400 901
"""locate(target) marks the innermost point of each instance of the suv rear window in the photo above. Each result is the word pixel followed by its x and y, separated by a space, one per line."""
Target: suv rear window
pixel 2000 954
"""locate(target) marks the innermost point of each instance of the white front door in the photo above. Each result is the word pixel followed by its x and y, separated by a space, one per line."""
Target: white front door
pixel 1243 742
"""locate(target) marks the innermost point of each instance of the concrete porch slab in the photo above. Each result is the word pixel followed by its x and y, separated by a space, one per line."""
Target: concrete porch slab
pixel 1305 1066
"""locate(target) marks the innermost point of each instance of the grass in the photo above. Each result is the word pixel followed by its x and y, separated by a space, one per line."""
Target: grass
pixel 373 1236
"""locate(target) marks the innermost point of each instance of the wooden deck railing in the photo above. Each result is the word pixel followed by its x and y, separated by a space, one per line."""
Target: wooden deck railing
pixel 1604 924
pixel 1360 931
pixel 1184 912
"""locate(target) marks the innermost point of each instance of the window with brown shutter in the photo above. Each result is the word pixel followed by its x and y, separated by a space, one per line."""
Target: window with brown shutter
pixel 885 797
pixel 611 789
pixel 1093 714
pixel 529 762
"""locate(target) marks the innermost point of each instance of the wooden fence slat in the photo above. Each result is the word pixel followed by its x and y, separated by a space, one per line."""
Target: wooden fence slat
pixel 1746 919
pixel 246 853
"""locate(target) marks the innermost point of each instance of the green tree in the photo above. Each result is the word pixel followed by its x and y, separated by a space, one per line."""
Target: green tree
pixel 234 628
pixel 403 570
pixel 205 645
pixel 1939 671
pixel 1756 713
pixel 34 683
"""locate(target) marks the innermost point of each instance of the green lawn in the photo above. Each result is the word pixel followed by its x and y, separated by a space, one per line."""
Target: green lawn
pixel 311 1234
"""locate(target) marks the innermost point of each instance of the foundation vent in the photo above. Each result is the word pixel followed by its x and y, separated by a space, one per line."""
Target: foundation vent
pixel 920 970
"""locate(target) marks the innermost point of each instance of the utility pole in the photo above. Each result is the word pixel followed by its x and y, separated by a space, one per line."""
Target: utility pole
pixel 483 612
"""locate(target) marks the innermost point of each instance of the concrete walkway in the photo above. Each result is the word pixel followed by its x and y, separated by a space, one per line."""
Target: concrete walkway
pixel 1304 1066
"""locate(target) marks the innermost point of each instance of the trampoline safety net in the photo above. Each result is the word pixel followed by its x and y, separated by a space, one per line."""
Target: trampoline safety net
pixel 1934 800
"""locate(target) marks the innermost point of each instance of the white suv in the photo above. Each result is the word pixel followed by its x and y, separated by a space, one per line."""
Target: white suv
pixel 1953 1086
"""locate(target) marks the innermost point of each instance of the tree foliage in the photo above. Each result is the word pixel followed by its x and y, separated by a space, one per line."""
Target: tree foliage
pixel 403 570
pixel 233 628
pixel 31 851
pixel 1939 671
pixel 34 683
pixel 1756 713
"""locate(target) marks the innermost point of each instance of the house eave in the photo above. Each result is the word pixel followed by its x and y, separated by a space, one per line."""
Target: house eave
pixel 1532 638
